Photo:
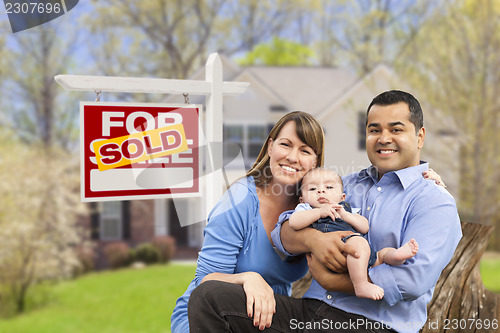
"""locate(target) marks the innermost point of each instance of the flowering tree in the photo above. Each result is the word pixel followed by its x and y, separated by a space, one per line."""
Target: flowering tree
pixel 38 213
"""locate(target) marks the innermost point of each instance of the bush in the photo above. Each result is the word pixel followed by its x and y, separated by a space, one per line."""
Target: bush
pixel 86 256
pixel 146 253
pixel 165 246
pixel 117 254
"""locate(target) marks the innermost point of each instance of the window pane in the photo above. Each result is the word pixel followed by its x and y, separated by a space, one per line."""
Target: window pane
pixel 233 142
pixel 253 151
pixel 257 134
pixel 110 229
pixel 111 220
pixel 233 133
pixel 231 150
pixel 111 208
pixel 361 130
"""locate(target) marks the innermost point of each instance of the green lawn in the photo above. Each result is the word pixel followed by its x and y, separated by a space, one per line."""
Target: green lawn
pixel 135 301
pixel 490 273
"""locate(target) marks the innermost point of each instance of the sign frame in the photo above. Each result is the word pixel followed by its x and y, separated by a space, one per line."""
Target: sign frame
pixel 145 193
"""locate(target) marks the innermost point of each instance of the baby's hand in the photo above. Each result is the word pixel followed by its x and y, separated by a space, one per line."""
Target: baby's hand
pixel 340 210
pixel 329 210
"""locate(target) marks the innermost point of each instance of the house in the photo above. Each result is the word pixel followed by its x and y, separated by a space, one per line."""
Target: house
pixel 336 97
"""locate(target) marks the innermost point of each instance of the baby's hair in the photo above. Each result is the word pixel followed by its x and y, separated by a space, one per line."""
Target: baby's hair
pixel 322 168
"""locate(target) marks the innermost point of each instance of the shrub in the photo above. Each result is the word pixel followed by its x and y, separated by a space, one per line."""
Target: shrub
pixel 165 246
pixel 86 257
pixel 117 254
pixel 146 253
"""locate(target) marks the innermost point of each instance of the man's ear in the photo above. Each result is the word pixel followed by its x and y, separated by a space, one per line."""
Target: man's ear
pixel 421 137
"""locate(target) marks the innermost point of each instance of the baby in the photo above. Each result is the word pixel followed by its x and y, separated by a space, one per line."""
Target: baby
pixel 323 208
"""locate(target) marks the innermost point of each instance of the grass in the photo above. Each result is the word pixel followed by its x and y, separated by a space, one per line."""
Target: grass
pixel 135 301
pixel 131 301
pixel 490 273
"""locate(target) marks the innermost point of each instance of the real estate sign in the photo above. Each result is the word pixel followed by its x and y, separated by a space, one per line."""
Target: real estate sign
pixel 139 151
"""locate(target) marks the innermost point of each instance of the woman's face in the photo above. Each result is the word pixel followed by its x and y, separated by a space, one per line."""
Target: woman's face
pixel 289 158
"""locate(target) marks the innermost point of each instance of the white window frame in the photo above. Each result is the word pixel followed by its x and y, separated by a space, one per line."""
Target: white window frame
pixel 110 216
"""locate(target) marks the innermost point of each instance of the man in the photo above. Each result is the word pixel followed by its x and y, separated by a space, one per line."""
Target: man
pixel 400 205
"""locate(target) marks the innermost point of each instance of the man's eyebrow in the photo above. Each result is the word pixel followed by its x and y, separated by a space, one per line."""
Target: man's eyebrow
pixel 396 123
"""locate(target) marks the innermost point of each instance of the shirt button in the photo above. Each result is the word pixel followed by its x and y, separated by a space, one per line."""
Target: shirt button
pixel 329 297
pixel 368 208
pixel 379 188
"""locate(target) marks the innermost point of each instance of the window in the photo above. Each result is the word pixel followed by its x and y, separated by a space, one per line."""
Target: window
pixel 278 108
pixel 361 130
pixel 111 220
pixel 233 142
pixel 256 137
pixel 245 138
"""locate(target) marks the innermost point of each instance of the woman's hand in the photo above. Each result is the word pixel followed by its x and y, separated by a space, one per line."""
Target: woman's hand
pixel 431 174
pixel 331 251
pixel 260 299
pixel 261 304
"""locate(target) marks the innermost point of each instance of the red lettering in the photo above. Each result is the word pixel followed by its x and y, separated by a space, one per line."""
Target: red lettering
pixel 126 150
pixel 110 153
pixel 164 139
pixel 150 150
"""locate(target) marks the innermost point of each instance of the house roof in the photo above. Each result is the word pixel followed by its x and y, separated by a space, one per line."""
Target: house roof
pixel 352 89
pixel 316 90
pixel 303 88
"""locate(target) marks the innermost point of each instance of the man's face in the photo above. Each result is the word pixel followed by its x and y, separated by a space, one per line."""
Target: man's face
pixel 391 141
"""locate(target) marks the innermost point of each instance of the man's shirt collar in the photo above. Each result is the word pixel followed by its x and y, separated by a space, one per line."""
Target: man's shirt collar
pixel 406 176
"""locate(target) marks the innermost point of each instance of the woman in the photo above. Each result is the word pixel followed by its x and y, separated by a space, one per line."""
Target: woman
pixel 237 246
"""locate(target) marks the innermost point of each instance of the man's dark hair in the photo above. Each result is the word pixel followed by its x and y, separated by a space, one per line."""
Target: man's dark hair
pixel 396 96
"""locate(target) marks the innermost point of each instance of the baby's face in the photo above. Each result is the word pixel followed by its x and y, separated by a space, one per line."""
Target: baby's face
pixel 320 187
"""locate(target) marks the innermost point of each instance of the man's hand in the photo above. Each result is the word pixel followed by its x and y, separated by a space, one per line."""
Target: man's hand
pixel 331 251
pixel 326 278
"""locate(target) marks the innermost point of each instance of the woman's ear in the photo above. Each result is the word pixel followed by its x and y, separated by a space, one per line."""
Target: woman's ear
pixel 269 147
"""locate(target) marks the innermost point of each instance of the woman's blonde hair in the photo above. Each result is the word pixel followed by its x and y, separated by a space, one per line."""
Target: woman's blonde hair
pixel 308 130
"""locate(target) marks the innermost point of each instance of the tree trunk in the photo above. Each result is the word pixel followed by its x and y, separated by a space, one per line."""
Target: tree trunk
pixel 460 303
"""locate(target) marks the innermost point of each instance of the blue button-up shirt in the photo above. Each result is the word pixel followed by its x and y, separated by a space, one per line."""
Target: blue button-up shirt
pixel 400 206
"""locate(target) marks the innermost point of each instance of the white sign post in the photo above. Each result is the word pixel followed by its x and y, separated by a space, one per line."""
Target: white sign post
pixel 213 88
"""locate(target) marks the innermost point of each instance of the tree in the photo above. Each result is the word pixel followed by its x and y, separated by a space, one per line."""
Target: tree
pixel 455 63
pixel 361 34
pixel 40 201
pixel 171 39
pixel 38 214
pixel 33 103
pixel 278 52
